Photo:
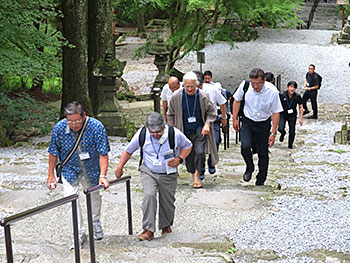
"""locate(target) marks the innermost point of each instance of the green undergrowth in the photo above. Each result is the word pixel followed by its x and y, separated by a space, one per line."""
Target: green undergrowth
pixel 23 115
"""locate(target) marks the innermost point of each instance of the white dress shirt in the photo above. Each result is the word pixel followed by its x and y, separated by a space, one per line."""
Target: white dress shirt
pixel 259 105
pixel 215 95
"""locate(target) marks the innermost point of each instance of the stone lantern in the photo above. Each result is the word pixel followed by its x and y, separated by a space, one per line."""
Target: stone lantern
pixel 108 71
pixel 161 53
pixel 344 36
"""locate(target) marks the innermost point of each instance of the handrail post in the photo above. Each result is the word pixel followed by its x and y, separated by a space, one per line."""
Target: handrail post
pixel 128 200
pixel 91 229
pixel 9 252
pixel 75 231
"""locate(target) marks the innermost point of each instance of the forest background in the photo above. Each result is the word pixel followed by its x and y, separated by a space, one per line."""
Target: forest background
pixel 49 47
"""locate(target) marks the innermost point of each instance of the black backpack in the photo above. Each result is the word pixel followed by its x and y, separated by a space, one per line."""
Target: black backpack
pixel 245 89
pixel 142 138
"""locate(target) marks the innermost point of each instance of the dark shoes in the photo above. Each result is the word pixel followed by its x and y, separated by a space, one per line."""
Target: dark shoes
pixel 247 176
pixel 212 170
pixel 290 146
pixel 306 112
pixel 146 235
pixel 259 184
pixel 282 137
pixel 166 230
pixel 312 117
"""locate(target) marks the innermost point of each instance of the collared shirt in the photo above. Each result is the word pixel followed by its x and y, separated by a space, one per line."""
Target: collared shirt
pixel 259 105
pixel 150 148
pixel 312 79
pixel 290 103
pixel 215 95
pixel 94 142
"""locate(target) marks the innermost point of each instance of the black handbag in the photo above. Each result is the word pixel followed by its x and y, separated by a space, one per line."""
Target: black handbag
pixel 59 166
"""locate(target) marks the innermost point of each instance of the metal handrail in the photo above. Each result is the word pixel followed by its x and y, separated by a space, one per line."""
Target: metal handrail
pixel 7 221
pixel 92 189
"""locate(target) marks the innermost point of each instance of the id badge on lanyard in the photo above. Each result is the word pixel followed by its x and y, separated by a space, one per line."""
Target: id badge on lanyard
pixel 290 111
pixel 157 162
pixel 191 119
pixel 84 156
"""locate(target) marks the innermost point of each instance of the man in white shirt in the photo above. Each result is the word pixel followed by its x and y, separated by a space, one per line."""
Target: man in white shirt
pixel 167 93
pixel 261 105
pixel 155 172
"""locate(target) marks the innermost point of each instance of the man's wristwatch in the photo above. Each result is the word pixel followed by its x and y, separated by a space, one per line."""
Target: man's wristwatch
pixel 103 176
pixel 180 159
pixel 273 134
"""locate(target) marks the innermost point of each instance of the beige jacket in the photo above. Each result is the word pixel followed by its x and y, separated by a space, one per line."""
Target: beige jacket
pixel 174 114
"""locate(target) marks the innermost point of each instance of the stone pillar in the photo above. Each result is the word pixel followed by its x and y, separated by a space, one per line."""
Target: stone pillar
pixel 109 72
pixel 161 59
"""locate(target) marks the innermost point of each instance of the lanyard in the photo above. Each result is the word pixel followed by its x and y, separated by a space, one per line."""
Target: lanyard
pixel 195 102
pixel 160 145
pixel 291 101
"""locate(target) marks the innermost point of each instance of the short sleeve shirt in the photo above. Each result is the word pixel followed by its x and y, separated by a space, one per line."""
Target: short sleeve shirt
pixel 259 105
pixel 312 79
pixel 151 147
pixel 94 142
pixel 290 103
pixel 215 95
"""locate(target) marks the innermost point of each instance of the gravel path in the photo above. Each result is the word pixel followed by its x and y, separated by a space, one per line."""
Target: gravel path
pixel 301 215
pixel 286 52
pixel 315 214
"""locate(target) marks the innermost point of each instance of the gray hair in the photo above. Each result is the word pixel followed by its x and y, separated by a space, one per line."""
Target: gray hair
pixel 155 121
pixel 191 76
pixel 74 108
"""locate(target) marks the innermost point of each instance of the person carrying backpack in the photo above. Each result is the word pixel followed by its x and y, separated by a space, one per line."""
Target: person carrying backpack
pixel 312 84
pixel 262 106
pixel 163 149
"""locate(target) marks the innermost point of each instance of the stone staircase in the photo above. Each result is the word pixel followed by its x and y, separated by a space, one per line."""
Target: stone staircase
pixel 326 16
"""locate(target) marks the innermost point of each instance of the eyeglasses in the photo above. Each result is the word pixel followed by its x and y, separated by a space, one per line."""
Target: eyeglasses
pixel 75 122
pixel 257 84
pixel 156 132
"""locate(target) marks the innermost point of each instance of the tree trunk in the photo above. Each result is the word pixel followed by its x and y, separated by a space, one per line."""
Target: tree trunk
pixel 141 23
pixel 100 39
pixel 75 78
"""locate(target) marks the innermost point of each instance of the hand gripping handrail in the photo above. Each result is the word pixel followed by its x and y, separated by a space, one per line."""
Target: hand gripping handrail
pixel 92 189
pixel 7 221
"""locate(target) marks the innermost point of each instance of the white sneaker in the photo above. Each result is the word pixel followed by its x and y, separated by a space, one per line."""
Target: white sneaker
pixel 98 231
pixel 82 239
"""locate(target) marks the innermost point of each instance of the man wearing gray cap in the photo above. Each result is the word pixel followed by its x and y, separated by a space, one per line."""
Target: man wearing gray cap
pixel 158 170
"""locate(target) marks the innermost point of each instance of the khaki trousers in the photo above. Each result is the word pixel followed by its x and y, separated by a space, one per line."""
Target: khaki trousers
pixel 166 186
pixel 96 201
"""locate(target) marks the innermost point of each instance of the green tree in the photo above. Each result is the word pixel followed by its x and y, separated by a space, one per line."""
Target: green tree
pixel 192 23
pixel 28 45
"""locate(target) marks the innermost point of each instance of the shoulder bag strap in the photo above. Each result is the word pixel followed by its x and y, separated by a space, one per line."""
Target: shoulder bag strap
pixel 76 142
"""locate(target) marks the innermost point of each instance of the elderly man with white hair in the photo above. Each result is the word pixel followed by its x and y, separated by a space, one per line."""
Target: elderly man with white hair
pixel 191 111
pixel 157 141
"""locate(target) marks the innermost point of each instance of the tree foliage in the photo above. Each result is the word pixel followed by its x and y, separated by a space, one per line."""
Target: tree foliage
pixel 28 44
pixel 192 23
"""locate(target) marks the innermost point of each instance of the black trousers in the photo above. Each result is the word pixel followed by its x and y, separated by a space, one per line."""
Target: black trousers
pixel 260 132
pixel 292 120
pixel 195 160
pixel 312 95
